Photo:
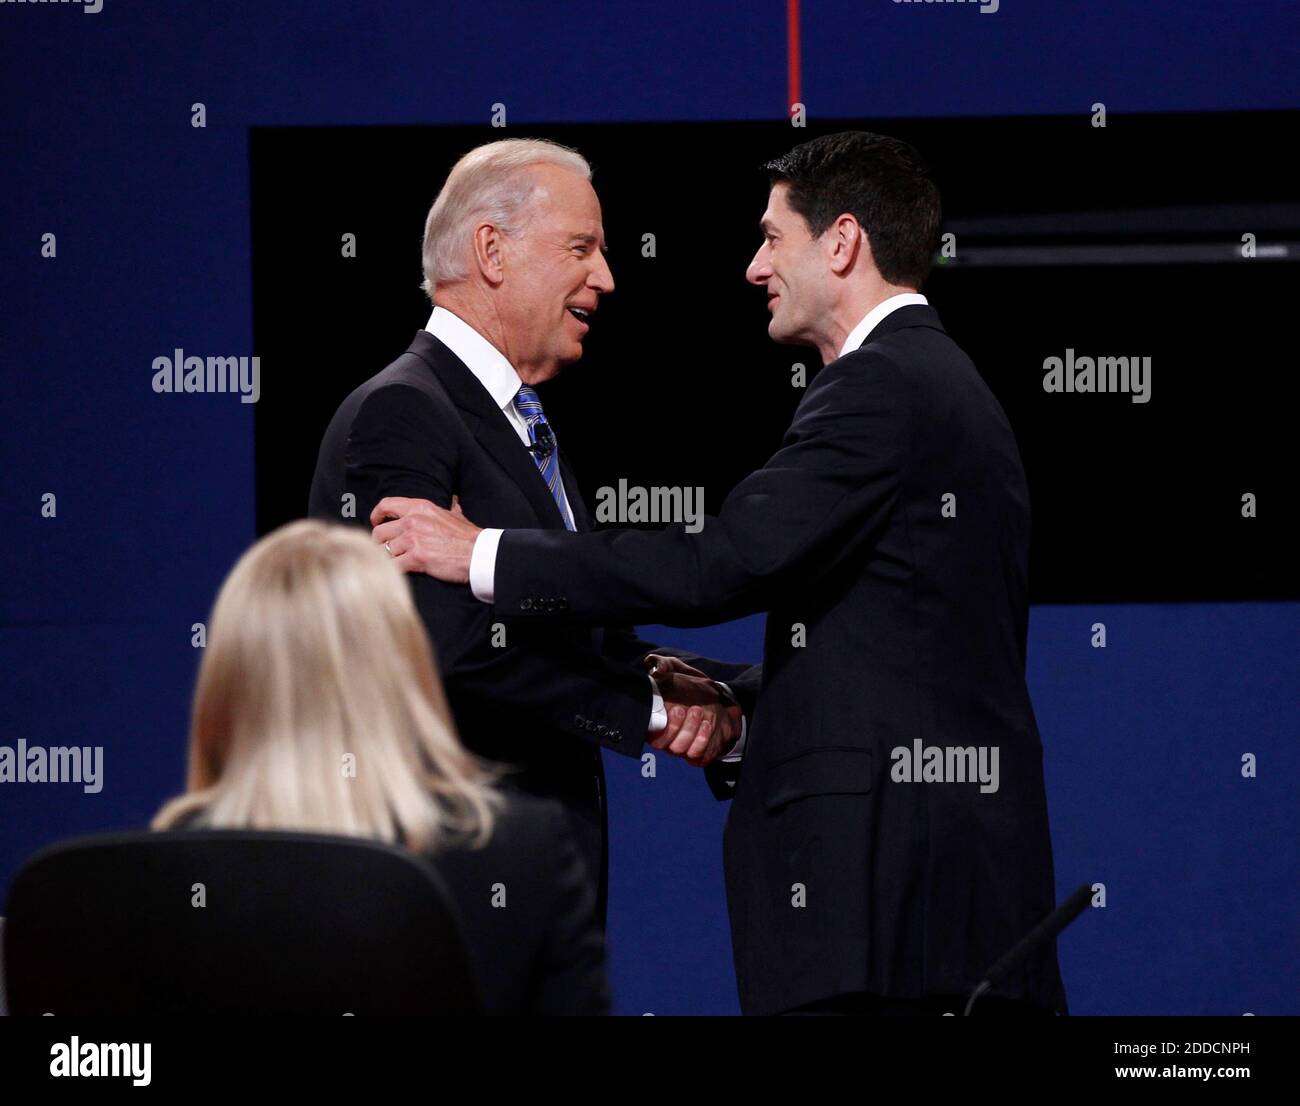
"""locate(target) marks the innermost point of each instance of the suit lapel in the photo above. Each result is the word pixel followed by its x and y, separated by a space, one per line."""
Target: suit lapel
pixel 490 427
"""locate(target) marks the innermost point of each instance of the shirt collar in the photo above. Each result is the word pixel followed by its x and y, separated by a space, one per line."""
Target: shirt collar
pixel 481 357
pixel 859 333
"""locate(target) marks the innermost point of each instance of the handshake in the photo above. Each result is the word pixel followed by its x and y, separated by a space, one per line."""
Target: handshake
pixel 704 721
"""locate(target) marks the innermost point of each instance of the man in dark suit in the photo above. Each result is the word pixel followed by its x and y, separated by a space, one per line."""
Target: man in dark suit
pixel 514 263
pixel 888 838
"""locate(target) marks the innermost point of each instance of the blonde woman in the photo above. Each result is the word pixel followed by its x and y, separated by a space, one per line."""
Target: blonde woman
pixel 318 708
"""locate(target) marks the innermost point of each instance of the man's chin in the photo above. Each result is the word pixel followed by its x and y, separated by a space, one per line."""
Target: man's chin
pixel 567 358
pixel 781 336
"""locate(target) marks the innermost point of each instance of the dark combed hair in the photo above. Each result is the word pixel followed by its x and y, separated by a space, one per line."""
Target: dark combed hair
pixel 882 182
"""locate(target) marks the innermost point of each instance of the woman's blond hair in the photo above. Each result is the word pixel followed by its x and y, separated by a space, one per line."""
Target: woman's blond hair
pixel 318 705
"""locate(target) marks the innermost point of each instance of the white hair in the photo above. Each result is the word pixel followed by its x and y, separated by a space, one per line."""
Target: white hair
pixel 489 184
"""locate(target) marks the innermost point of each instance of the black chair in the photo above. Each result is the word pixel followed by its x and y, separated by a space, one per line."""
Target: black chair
pixel 283 923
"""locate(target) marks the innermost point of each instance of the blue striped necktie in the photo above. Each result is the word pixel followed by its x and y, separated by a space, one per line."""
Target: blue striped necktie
pixel 543 448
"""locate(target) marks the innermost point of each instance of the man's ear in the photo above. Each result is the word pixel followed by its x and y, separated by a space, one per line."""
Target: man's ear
pixel 845 241
pixel 489 252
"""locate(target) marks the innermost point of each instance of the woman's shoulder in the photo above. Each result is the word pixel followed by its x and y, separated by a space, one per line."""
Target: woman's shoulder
pixel 527 834
pixel 520 812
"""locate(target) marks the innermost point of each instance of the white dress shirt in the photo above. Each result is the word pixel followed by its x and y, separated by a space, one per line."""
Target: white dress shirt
pixel 483 560
pixel 872 318
pixel 491 368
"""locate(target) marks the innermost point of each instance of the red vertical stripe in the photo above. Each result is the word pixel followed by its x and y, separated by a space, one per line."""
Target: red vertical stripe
pixel 792 43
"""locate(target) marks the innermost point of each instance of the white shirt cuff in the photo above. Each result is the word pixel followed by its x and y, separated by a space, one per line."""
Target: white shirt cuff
pixel 738 749
pixel 483 566
pixel 658 713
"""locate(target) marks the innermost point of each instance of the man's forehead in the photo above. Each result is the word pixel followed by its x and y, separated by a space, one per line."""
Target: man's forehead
pixel 778 209
pixel 569 203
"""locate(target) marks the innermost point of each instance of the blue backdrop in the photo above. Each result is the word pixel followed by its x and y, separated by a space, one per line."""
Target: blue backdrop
pixel 1143 739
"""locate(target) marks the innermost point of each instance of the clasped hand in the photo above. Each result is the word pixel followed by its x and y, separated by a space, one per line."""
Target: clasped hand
pixel 703 723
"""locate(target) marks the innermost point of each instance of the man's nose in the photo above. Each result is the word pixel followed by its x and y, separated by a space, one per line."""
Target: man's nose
pixel 601 278
pixel 760 267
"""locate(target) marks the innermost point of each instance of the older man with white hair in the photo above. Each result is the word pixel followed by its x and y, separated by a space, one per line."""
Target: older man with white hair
pixel 514 264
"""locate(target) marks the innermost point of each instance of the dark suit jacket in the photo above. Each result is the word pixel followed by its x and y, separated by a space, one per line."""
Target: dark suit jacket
pixel 541 951
pixel 553 696
pixel 888 623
